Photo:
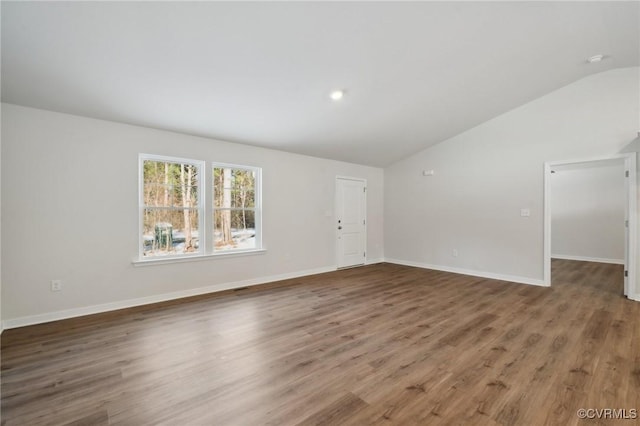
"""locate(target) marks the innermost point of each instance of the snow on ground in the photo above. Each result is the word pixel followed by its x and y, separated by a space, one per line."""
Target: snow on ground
pixel 244 239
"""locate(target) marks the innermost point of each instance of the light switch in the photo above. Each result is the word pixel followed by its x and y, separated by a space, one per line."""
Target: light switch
pixel 525 212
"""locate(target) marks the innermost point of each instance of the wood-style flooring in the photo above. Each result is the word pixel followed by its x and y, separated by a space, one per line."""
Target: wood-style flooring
pixel 382 344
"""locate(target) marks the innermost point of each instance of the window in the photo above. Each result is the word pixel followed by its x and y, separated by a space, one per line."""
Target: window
pixel 175 215
pixel 171 206
pixel 236 216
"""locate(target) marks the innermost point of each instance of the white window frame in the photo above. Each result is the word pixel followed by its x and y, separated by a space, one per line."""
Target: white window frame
pixel 141 206
pixel 257 209
pixel 206 209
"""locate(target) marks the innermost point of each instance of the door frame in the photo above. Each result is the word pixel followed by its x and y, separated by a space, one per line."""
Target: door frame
pixel 631 214
pixel 335 216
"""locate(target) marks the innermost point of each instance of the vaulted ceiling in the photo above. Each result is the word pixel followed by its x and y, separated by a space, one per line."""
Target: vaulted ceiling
pixel 414 73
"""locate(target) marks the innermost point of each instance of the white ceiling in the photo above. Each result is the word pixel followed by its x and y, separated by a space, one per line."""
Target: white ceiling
pixel 416 73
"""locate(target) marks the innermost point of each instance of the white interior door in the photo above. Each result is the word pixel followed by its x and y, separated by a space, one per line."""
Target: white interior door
pixel 630 239
pixel 626 236
pixel 351 221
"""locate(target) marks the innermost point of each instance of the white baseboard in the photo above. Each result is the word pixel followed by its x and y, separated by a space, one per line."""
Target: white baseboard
pixel 482 274
pixel 374 261
pixel 106 307
pixel 588 259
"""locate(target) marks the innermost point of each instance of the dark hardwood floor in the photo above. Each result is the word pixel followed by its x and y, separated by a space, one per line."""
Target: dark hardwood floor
pixel 381 344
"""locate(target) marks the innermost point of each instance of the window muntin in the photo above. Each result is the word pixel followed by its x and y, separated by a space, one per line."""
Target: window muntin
pixel 236 208
pixel 171 215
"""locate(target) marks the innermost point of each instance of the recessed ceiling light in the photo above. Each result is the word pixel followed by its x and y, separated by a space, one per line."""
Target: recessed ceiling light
pixel 595 58
pixel 336 95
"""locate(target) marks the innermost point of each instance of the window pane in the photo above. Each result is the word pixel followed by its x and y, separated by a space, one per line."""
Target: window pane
pixel 170 232
pixel 170 184
pixel 234 229
pixel 234 187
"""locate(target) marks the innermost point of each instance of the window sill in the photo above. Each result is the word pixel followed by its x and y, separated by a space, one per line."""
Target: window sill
pixel 196 258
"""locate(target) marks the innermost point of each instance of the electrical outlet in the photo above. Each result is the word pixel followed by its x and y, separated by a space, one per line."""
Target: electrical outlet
pixel 454 253
pixel 56 285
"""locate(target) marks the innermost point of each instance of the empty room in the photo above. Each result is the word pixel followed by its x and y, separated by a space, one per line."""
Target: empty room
pixel 336 213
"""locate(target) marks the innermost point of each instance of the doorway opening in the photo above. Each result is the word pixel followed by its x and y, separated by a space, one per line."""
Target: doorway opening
pixel 590 221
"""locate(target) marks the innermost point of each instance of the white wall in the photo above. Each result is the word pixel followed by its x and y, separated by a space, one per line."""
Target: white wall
pixel 588 212
pixel 1 323
pixel 485 176
pixel 70 194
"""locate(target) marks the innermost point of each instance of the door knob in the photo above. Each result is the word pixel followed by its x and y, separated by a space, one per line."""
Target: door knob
pixel 339 227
